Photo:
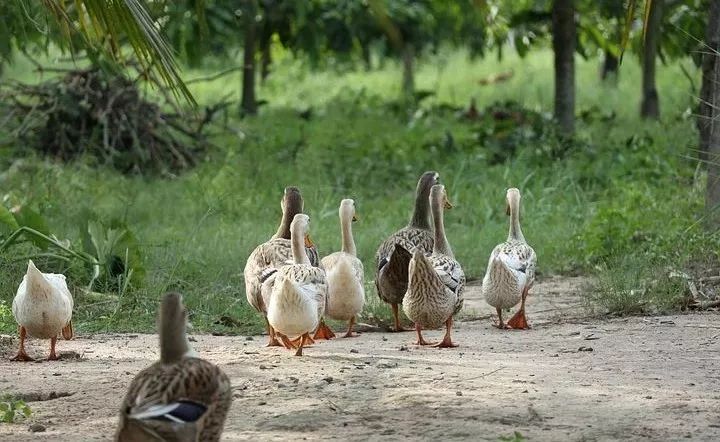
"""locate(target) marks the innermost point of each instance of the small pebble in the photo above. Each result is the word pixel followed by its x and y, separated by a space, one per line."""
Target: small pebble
pixel 328 379
pixel 275 379
pixel 249 338
pixel 384 338
pixel 403 348
pixel 37 428
pixel 262 403
pixel 352 350
pixel 458 393
pixel 192 339
pixel 264 367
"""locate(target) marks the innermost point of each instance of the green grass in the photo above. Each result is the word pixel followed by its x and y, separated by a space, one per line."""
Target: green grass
pixel 624 187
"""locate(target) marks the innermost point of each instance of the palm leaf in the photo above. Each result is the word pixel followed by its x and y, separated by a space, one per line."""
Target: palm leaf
pixel 105 24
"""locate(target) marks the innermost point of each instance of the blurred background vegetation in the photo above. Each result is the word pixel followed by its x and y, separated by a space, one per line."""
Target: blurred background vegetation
pixel 144 146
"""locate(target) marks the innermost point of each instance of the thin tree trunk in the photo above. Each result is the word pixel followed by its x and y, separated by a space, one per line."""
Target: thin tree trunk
pixel 367 57
pixel 609 71
pixel 650 106
pixel 710 48
pixel 564 41
pixel 248 104
pixel 712 196
pixel 408 81
pixel 265 60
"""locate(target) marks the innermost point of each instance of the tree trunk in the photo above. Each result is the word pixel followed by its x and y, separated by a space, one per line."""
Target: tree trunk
pixel 650 106
pixel 609 71
pixel 248 104
pixel 367 57
pixel 564 41
pixel 712 196
pixel 265 60
pixel 408 80
pixel 712 45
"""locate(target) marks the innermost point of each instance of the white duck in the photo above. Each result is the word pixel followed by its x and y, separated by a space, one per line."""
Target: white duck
pixel 43 309
pixel 436 282
pixel 297 302
pixel 345 273
pixel 511 269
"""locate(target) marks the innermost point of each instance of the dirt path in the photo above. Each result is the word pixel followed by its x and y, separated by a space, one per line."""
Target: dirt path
pixel 569 378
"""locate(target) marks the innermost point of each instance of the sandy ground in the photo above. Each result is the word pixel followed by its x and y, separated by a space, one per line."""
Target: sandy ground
pixel 569 378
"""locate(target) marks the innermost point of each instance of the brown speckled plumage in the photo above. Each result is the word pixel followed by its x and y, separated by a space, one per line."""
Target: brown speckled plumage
pixel 177 378
pixel 437 281
pixel 391 277
pixel 511 269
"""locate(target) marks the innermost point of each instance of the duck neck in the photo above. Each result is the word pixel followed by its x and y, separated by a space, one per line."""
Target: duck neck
pixel 348 243
pixel 174 344
pixel 515 233
pixel 298 248
pixel 420 214
pixel 441 244
pixel 292 208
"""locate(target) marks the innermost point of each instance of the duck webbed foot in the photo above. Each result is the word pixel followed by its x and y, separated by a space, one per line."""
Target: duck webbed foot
pixel 447 340
pixel 420 339
pixel 323 331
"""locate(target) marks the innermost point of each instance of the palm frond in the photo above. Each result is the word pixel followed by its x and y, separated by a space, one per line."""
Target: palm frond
pixel 106 24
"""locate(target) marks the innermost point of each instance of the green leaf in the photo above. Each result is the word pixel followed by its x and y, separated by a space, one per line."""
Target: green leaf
pixel 7 220
pixel 27 217
pixel 4 406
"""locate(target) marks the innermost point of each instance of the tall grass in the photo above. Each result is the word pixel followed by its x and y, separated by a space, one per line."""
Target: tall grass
pixel 623 187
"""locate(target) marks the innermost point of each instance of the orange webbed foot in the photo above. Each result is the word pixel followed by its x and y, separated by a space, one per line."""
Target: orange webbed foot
pixel 323 332
pixel 519 321
pixel 445 343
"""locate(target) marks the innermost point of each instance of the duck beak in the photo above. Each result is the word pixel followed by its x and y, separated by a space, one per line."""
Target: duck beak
pixel 447 203
pixel 308 242
pixel 355 217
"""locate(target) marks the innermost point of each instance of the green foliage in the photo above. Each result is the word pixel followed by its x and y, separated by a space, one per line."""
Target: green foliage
pixel 195 231
pixel 6 316
pixel 515 437
pixel 13 409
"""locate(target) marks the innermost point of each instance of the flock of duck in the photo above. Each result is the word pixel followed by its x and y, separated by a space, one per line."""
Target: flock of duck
pixel 184 397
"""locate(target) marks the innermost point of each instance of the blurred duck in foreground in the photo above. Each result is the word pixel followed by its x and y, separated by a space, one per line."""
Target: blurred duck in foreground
pixel 511 269
pixel 437 281
pixel 297 301
pixel 345 274
pixel 268 257
pixel 393 256
pixel 43 309
pixel 180 397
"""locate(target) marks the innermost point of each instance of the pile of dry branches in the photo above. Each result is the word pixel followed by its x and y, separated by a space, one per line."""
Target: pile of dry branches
pixel 92 113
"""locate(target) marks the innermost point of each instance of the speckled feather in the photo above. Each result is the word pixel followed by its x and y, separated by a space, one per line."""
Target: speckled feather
pixel 191 379
pixel 392 285
pixel 435 289
pixel 510 270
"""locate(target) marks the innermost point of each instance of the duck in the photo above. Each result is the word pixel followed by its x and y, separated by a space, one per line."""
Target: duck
pixel 181 397
pixel 299 295
pixel 42 307
pixel 269 256
pixel 511 269
pixel 393 256
pixel 345 273
pixel 436 281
